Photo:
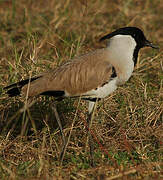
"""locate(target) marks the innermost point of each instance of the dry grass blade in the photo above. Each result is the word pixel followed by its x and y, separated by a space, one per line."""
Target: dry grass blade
pixel 132 171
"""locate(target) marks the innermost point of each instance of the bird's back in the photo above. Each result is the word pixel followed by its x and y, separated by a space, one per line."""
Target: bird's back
pixel 75 78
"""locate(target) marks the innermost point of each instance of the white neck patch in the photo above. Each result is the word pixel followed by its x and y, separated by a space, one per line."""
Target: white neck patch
pixel 123 45
pixel 121 50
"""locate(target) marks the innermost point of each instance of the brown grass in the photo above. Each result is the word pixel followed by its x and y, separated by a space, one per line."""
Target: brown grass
pixel 37 36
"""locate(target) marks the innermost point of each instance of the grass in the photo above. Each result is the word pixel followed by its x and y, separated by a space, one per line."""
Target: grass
pixel 38 36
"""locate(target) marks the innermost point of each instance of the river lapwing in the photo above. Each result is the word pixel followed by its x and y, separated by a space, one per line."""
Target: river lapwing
pixel 91 76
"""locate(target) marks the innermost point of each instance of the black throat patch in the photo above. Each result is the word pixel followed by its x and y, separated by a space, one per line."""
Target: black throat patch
pixel 135 55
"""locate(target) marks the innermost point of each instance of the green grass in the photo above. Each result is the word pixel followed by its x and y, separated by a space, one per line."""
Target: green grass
pixel 36 37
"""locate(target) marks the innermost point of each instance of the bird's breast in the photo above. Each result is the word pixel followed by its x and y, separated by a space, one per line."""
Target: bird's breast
pixel 103 91
pixel 124 72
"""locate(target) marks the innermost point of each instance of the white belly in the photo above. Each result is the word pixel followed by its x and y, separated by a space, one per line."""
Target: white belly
pixel 103 91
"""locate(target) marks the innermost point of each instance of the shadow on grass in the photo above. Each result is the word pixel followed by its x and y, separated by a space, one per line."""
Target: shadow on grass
pixel 35 118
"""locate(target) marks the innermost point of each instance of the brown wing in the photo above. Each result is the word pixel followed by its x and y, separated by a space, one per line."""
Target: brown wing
pixel 82 74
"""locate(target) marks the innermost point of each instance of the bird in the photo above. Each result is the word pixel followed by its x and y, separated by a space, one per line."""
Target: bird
pixel 91 76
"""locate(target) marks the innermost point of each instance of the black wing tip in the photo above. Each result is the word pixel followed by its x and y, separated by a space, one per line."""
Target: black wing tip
pixel 15 89
pixel 14 92
pixel 8 87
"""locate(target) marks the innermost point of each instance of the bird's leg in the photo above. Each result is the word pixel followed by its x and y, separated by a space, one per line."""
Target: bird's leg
pixel 62 153
pixel 89 122
pixel 90 140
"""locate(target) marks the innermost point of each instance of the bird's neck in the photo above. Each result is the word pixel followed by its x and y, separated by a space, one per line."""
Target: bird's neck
pixel 135 55
pixel 121 51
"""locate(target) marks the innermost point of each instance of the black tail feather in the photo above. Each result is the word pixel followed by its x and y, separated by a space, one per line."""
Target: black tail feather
pixel 14 92
pixel 15 89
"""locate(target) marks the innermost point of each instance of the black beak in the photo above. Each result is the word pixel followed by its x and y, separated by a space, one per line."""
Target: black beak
pixel 149 44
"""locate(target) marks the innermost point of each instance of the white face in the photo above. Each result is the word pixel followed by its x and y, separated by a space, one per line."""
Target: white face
pixel 121 47
pixel 123 42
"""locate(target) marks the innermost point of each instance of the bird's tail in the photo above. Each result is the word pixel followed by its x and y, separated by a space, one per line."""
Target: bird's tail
pixel 15 89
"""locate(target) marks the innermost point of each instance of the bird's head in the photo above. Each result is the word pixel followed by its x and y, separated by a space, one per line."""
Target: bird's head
pixel 136 33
